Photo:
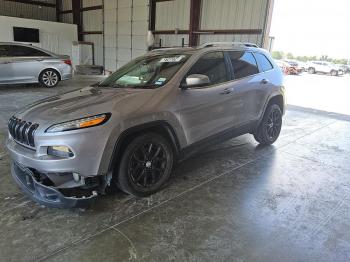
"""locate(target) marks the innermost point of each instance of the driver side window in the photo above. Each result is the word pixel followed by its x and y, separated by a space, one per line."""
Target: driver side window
pixel 212 65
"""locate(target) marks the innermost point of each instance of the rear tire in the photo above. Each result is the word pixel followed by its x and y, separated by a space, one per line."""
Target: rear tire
pixel 270 127
pixel 146 165
pixel 49 78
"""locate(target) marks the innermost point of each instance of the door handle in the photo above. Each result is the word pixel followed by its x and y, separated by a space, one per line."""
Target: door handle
pixel 39 59
pixel 7 62
pixel 264 81
pixel 227 91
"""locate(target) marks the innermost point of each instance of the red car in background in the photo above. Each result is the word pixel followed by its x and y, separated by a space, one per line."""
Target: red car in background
pixel 287 68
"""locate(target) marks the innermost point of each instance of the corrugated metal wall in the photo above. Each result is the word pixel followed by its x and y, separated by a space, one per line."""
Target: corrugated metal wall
pixel 93 21
pixel 233 14
pixel 215 14
pixel 67 18
pixel 173 14
pixel 8 8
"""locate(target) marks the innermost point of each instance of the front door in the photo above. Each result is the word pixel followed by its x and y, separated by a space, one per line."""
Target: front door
pixel 208 110
pixel 27 63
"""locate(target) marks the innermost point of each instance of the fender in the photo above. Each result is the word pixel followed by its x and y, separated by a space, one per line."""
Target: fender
pixel 272 96
pixel 159 126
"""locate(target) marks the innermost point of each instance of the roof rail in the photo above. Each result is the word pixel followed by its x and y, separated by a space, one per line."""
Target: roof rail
pixel 212 44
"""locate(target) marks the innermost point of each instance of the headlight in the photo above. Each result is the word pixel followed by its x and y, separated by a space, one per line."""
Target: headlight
pixel 79 123
pixel 60 151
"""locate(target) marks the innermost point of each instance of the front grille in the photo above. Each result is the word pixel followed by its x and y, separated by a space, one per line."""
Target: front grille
pixel 22 131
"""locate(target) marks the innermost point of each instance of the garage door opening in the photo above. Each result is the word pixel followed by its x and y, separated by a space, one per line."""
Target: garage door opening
pixel 307 40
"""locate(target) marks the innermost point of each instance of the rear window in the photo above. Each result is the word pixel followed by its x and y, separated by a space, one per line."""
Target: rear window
pixel 243 63
pixel 263 62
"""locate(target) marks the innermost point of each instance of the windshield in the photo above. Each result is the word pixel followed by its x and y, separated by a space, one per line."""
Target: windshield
pixel 147 71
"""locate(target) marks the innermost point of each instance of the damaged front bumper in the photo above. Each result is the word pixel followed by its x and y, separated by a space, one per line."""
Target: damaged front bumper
pixel 47 194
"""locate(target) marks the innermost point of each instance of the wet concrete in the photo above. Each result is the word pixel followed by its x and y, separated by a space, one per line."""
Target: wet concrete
pixel 232 202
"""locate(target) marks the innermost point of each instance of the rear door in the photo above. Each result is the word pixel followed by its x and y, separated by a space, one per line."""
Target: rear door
pixel 208 110
pixel 246 86
pixel 5 64
pixel 27 63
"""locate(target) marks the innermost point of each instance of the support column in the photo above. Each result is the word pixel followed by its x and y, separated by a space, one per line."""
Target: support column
pixel 78 18
pixel 58 10
pixel 195 10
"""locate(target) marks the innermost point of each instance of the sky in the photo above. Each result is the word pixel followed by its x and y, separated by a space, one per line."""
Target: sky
pixel 312 27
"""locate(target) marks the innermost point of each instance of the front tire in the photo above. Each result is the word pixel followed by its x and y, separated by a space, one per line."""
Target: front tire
pixel 270 126
pixel 311 70
pixel 49 78
pixel 146 165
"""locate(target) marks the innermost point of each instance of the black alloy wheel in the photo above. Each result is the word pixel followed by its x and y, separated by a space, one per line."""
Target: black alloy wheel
pixel 146 165
pixel 270 126
pixel 273 124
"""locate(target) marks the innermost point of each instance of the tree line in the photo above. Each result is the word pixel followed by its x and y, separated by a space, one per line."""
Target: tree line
pixel 283 55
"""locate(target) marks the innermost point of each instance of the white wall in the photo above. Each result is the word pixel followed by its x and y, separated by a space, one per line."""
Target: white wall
pixel 55 37
pixel 125 30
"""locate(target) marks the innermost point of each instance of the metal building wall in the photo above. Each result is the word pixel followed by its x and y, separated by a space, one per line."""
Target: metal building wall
pixel 215 15
pixel 172 15
pixel 233 14
pixel 93 21
pixel 67 18
pixel 8 8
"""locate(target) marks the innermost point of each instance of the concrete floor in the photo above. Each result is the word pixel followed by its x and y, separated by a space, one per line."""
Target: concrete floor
pixel 233 202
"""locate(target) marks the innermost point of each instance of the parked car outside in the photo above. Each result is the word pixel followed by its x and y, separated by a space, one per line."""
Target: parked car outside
pixel 298 66
pixel 26 64
pixel 323 67
pixel 130 129
pixel 286 68
pixel 344 69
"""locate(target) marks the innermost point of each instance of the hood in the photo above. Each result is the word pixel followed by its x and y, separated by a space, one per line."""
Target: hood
pixel 88 101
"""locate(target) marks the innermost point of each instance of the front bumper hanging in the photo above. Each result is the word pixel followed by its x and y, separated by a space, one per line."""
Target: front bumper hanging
pixel 46 195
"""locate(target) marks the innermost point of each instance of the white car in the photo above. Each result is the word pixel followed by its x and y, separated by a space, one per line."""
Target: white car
pixel 314 67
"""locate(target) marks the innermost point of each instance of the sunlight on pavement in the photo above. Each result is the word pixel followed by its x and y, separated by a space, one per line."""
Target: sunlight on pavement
pixel 321 92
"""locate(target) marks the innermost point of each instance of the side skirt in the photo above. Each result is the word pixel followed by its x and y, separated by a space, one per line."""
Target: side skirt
pixel 217 138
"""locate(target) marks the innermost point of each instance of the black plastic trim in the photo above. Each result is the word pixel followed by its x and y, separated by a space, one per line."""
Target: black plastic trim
pixel 45 195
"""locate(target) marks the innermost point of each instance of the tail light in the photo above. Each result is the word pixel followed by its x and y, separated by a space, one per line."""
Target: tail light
pixel 67 61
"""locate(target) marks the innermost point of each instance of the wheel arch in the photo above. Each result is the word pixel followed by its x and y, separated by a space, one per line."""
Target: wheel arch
pixel 160 127
pixel 274 99
pixel 51 68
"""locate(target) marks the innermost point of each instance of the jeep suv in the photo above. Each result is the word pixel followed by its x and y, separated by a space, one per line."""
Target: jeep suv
pixel 129 130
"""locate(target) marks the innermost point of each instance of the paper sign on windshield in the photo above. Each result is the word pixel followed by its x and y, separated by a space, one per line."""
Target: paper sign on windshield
pixel 174 59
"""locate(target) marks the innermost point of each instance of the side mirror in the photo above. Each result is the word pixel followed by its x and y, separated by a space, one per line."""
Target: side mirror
pixel 197 80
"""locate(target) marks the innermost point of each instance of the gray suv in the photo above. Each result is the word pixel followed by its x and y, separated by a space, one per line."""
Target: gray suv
pixel 129 130
pixel 26 64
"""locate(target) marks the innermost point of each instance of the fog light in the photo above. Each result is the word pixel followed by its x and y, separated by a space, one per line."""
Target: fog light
pixel 60 151
pixel 76 177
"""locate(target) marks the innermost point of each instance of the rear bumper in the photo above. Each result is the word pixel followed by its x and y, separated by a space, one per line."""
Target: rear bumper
pixel 46 195
pixel 66 76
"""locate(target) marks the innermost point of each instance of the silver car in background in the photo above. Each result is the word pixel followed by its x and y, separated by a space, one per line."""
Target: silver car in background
pixel 26 64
